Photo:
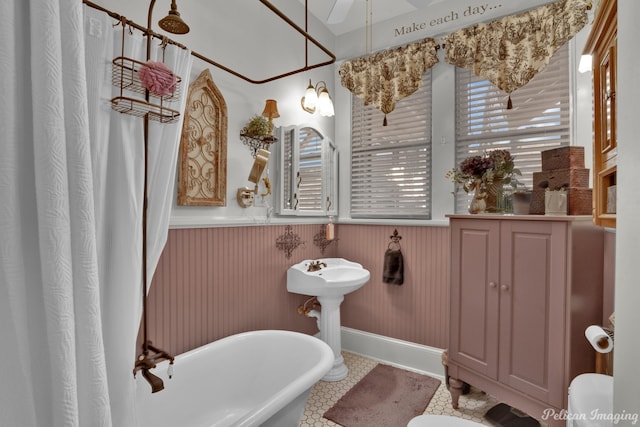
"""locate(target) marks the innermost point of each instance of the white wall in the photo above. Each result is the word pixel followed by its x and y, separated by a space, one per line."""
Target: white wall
pixel 436 20
pixel 248 38
pixel 627 299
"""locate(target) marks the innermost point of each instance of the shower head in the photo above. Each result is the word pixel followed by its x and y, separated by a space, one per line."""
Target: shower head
pixel 172 23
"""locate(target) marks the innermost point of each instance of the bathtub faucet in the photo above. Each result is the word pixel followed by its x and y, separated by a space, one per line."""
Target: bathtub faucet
pixel 316 265
pixel 146 361
pixel 156 382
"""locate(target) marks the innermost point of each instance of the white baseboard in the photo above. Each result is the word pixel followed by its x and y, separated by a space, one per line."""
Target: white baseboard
pixel 391 351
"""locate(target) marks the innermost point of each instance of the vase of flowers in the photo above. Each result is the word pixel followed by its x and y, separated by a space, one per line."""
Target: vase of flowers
pixel 485 175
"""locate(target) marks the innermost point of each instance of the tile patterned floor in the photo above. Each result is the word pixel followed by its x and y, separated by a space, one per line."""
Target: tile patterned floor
pixel 325 394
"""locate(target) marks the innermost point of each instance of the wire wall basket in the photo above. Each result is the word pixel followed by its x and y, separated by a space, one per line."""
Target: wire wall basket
pixel 162 86
pixel 141 108
pixel 125 74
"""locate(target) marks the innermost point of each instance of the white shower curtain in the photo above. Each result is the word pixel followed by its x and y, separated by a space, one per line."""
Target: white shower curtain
pixel 70 216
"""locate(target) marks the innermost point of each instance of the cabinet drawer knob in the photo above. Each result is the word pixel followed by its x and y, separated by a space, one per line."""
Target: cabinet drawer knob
pixel 492 284
pixel 504 287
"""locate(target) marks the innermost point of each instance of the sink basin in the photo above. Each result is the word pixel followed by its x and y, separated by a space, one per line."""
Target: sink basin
pixel 339 277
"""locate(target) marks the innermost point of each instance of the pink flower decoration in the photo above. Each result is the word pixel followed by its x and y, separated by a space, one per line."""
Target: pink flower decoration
pixel 157 78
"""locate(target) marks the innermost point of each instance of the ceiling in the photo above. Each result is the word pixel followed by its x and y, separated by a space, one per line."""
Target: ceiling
pixel 382 10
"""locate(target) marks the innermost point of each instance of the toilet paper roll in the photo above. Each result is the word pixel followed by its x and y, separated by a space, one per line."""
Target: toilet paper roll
pixel 599 339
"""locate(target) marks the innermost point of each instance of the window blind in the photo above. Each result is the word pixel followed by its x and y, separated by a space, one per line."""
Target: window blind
pixel 390 165
pixel 540 118
pixel 309 192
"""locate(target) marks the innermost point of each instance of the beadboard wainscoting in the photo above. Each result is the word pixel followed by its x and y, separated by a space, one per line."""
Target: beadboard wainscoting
pixel 215 282
pixel 416 311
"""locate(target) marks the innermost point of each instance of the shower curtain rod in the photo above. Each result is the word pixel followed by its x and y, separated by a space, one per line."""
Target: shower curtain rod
pixel 149 32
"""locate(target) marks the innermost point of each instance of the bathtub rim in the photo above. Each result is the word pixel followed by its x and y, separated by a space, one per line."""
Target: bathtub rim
pixel 243 335
pixel 275 402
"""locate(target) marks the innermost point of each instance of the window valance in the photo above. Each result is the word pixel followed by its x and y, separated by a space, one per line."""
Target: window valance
pixel 385 77
pixel 508 52
pixel 511 51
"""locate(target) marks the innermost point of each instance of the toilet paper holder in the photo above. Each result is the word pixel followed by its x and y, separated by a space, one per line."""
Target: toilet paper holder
pixel 602 341
pixel 600 338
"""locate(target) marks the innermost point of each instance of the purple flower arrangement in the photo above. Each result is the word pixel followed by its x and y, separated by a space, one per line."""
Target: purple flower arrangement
pixel 483 169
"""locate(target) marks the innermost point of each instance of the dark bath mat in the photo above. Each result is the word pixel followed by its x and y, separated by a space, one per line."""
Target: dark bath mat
pixel 503 415
pixel 385 397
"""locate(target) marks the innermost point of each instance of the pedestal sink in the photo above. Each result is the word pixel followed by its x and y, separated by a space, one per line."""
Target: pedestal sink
pixel 328 279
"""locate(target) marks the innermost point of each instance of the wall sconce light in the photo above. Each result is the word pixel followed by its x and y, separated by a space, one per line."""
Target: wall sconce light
pixel 317 98
pixel 245 195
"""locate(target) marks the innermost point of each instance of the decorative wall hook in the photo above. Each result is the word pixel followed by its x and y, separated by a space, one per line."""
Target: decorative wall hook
pixel 288 241
pixel 393 268
pixel 395 239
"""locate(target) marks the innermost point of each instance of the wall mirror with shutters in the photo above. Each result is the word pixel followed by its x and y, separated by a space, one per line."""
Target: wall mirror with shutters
pixel 308 163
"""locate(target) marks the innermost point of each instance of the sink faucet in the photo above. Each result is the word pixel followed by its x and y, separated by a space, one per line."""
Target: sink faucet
pixel 316 265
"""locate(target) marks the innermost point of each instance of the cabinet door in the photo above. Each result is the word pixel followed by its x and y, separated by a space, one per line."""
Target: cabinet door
pixel 475 264
pixel 605 150
pixel 532 307
pixel 606 110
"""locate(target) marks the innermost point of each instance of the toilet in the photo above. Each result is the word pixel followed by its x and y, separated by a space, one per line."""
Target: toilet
pixel 590 401
pixel 441 421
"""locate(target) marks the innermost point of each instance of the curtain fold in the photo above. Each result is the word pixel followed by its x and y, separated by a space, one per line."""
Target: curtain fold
pixel 70 221
pixel 385 77
pixel 18 242
pixel 510 51
pixel 118 158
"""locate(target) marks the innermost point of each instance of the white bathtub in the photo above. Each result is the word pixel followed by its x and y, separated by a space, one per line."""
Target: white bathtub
pixel 258 378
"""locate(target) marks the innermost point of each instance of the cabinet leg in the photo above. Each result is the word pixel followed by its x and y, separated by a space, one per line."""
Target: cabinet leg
pixel 455 388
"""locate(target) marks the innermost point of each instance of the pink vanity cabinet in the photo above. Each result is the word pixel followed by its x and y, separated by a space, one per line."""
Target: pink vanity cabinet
pixel 523 290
